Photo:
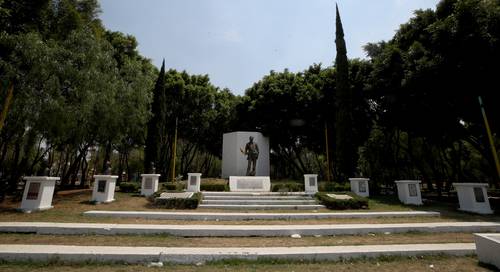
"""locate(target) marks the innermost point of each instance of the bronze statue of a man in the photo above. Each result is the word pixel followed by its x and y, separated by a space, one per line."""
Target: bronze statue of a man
pixel 252 152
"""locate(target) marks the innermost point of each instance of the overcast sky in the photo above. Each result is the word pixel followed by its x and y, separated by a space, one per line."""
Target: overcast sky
pixel 237 42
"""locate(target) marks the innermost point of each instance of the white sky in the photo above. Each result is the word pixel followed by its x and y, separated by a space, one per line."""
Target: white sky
pixel 237 42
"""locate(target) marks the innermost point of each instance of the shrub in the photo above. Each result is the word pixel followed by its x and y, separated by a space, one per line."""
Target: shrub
pixel 169 186
pixel 333 186
pixel 356 202
pixel 214 187
pixel 129 187
pixel 288 187
pixel 177 203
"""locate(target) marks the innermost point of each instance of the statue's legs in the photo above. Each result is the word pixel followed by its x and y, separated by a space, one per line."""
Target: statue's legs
pixel 254 162
pixel 249 167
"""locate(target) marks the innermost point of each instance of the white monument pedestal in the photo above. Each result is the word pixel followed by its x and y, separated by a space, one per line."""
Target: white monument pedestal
pixel 249 184
pixel 488 248
pixel 473 197
pixel 360 187
pixel 104 188
pixel 149 184
pixel 193 182
pixel 38 193
pixel 409 191
pixel 311 183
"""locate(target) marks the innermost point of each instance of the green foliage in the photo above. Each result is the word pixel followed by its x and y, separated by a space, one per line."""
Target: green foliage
pixel 288 187
pixel 170 186
pixel 156 125
pixel 333 186
pixel 130 187
pixel 179 203
pixel 355 203
pixel 214 187
pixel 289 107
pixel 83 92
pixel 70 92
pixel 424 88
pixel 344 147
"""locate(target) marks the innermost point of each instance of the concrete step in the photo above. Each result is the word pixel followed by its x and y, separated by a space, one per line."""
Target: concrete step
pixel 259 202
pixel 260 207
pixel 256 194
pixel 271 197
pixel 224 216
pixel 242 230
pixel 185 255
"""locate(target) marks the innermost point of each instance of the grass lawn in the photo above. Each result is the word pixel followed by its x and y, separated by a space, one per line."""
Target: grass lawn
pixel 171 241
pixel 385 264
pixel 69 208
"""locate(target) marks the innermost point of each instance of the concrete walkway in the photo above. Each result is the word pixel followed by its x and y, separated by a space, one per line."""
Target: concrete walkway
pixel 196 255
pixel 243 230
pixel 254 216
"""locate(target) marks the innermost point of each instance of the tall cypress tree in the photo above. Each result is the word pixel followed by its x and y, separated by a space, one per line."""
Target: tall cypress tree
pixel 156 123
pixel 344 149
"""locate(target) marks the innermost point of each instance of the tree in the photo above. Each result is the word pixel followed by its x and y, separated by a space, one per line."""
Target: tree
pixel 344 148
pixel 156 125
pixel 424 87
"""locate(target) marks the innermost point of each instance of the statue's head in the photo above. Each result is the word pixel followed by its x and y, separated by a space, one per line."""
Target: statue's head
pixel 251 138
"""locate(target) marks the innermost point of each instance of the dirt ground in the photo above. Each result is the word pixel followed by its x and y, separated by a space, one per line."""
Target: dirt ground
pixel 414 264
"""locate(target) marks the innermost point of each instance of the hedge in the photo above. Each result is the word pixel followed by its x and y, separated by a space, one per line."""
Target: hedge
pixel 169 186
pixel 214 187
pixel 288 187
pixel 129 187
pixel 333 186
pixel 356 202
pixel 177 203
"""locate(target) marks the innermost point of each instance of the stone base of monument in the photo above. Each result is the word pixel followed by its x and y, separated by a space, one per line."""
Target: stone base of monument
pixel 473 197
pixel 104 189
pixel 360 187
pixel 149 184
pixel 409 191
pixel 249 184
pixel 488 248
pixel 311 183
pixel 38 194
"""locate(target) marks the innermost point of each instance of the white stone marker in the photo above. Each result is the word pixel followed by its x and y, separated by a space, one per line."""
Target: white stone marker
pixel 149 184
pixel 249 184
pixel 38 193
pixel 311 183
pixel 104 188
pixel 193 182
pixel 473 197
pixel 488 248
pixel 409 191
pixel 359 186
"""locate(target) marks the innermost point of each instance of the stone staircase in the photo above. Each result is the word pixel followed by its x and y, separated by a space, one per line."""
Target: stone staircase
pixel 259 201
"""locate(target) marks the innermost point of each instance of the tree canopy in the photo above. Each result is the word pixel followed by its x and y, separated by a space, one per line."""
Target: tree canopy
pixel 84 95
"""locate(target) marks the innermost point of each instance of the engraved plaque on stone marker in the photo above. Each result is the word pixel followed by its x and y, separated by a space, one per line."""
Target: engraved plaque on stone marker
pixel 478 193
pixel 312 181
pixel 101 186
pixel 148 184
pixel 192 181
pixel 33 191
pixel 362 186
pixel 249 184
pixel 412 189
